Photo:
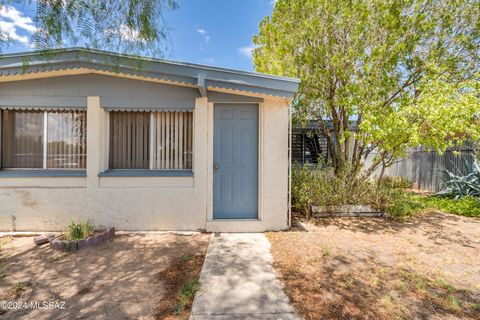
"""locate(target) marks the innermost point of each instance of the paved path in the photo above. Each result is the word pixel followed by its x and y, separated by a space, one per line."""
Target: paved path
pixel 239 282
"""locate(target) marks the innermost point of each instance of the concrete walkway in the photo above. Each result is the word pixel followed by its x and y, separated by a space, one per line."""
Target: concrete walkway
pixel 239 282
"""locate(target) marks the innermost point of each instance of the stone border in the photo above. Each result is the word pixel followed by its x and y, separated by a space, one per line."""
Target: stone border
pixel 75 245
pixel 345 211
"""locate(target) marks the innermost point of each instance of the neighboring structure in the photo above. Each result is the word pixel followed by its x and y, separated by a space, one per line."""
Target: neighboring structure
pixel 309 147
pixel 141 144
pixel 425 168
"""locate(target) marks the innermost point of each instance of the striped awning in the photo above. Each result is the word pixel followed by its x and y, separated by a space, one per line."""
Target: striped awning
pixel 42 108
pixel 147 109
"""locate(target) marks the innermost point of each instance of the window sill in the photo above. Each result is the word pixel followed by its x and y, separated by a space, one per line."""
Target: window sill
pixel 42 173
pixel 146 173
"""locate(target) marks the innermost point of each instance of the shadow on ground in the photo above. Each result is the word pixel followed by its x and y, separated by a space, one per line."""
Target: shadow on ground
pixel 377 268
pixel 116 280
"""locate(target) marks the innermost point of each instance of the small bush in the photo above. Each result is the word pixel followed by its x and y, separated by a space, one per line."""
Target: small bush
pixel 317 186
pixel 314 186
pixel 398 203
pixel 79 231
pixel 395 182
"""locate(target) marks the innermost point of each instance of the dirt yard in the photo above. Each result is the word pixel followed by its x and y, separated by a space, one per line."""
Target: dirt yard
pixel 375 268
pixel 132 277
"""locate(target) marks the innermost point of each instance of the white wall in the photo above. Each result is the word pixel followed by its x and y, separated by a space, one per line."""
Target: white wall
pixel 150 203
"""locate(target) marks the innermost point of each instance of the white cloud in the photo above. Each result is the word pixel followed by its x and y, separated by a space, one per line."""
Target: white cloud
pixel 127 33
pixel 204 34
pixel 11 20
pixel 246 51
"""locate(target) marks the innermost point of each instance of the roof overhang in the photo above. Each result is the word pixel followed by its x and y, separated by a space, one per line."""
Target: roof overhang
pixel 37 64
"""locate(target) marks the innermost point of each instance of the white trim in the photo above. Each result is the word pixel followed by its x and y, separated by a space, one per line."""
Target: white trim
pixel 210 146
pixel 45 139
pixel 261 119
pixel 193 141
pixel 1 139
pixel 151 147
pixel 289 217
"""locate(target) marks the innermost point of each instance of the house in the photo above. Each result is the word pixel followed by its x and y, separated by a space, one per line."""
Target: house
pixel 309 144
pixel 141 144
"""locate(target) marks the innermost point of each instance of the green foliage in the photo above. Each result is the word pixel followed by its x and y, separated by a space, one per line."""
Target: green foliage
pixel 128 26
pixel 401 204
pixel 317 186
pixel 467 206
pixel 459 185
pixel 312 186
pixel 187 292
pixel 79 231
pixel 304 188
pixel 408 71
pixel 391 182
pixel 186 257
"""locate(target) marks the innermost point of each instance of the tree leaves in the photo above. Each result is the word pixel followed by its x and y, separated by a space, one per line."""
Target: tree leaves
pixel 392 66
pixel 126 26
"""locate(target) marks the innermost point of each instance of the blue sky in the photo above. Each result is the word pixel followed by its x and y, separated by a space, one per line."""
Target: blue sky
pixel 213 32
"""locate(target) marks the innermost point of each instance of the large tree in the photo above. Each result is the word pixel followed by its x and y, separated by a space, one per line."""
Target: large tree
pixel 406 72
pixel 127 26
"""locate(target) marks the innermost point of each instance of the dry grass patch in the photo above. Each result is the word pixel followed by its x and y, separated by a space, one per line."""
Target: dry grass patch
pixel 425 268
pixel 181 280
pixel 132 277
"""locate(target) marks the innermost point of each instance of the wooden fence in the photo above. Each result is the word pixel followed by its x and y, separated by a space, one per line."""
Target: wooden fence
pixel 424 168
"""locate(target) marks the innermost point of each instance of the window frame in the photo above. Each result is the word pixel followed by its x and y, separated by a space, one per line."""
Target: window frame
pixel 45 146
pixel 150 171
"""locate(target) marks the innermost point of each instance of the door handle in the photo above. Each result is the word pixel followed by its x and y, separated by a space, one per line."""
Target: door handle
pixel 215 166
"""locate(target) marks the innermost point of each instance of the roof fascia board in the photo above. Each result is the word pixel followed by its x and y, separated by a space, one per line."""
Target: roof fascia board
pixel 196 75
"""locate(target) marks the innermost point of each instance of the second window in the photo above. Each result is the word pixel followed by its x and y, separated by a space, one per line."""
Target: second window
pixel 151 140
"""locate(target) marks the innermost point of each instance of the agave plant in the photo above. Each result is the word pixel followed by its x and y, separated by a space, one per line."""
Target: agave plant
pixel 459 185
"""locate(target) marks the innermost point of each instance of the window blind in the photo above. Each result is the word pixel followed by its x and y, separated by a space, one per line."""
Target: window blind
pixel 22 145
pixel 67 140
pixel 172 140
pixel 129 140
pixel 151 140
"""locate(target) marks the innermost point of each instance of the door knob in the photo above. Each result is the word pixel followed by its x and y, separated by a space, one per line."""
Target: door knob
pixel 215 166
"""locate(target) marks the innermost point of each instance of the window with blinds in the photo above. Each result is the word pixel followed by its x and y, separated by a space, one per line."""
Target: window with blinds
pixel 151 140
pixel 66 140
pixel 44 139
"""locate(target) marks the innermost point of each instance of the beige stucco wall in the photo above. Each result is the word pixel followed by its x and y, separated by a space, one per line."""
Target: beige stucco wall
pixel 151 203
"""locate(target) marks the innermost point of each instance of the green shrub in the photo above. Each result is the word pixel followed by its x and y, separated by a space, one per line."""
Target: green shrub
pixel 314 186
pixel 467 206
pixel 304 184
pixel 319 187
pixel 395 182
pixel 79 231
pixel 398 203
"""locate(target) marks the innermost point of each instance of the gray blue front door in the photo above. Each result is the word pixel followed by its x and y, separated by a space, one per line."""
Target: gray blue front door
pixel 235 158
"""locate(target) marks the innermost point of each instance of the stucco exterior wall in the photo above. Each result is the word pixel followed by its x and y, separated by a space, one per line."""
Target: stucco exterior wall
pixel 151 203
